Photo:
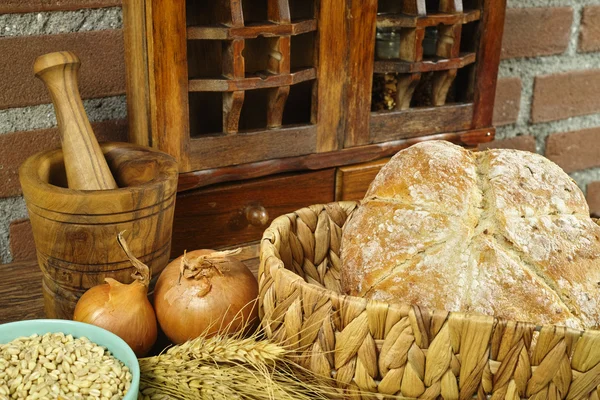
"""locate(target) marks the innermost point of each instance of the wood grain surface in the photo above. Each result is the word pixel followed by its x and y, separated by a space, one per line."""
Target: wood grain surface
pixel 488 55
pixel 21 292
pixel 250 32
pixel 85 166
pixel 233 68
pixel 333 58
pixel 361 30
pixel 436 64
pixel 252 82
pixel 75 231
pixel 405 89
pixel 137 80
pixel 202 178
pixel 222 150
pixel 415 21
pixel 391 125
pixel 168 78
pixel 216 216
pixel 352 181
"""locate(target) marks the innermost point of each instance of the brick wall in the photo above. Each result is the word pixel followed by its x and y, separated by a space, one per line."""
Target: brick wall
pixel 547 99
pixel 29 28
pixel 549 80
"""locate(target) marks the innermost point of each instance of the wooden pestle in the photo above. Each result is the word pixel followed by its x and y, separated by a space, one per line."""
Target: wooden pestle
pixel 84 161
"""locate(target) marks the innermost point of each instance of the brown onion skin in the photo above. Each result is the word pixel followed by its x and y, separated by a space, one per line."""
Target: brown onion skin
pixel 123 309
pixel 183 315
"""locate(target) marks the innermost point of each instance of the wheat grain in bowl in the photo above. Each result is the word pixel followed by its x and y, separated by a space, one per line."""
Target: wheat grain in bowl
pixel 62 359
pixel 56 365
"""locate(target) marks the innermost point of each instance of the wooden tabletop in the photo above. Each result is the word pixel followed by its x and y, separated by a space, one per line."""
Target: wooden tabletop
pixel 21 292
pixel 21 287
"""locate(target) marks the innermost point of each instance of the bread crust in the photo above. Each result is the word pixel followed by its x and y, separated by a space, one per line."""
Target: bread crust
pixel 501 232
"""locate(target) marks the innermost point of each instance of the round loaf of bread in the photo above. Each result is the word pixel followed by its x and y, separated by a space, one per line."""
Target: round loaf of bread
pixel 500 232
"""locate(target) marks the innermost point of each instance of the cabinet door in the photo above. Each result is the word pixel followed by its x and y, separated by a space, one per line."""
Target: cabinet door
pixel 251 73
pixel 433 68
pixel 229 81
pixel 286 85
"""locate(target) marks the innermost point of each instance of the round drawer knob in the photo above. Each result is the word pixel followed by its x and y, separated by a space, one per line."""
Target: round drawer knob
pixel 256 215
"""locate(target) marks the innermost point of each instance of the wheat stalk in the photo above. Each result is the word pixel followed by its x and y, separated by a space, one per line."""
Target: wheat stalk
pixel 208 382
pixel 227 367
pixel 226 349
pixel 235 367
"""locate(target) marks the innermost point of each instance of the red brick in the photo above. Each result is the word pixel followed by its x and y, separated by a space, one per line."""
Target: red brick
pixel 533 32
pixel 576 150
pixel 22 247
pixel 561 96
pixel 102 71
pixel 589 36
pixel 593 198
pixel 524 142
pixel 25 6
pixel 16 147
pixel 508 101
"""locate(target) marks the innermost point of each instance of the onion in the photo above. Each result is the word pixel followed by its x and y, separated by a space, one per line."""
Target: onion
pixel 123 309
pixel 204 292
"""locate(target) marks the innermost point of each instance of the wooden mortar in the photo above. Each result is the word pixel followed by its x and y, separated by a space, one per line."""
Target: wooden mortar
pixel 81 196
pixel 75 231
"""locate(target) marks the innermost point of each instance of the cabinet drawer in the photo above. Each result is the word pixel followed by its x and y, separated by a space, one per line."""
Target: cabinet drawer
pixel 239 213
pixel 352 182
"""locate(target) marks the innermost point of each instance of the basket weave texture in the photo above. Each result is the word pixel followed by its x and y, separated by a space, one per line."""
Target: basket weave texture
pixel 370 347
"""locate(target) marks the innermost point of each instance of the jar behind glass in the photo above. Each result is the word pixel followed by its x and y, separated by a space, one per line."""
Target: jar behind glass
pixel 387 45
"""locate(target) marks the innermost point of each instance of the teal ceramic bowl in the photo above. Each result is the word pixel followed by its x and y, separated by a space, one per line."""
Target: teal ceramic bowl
pixel 112 342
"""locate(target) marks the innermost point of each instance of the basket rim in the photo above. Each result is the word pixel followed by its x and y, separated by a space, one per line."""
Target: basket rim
pixel 272 236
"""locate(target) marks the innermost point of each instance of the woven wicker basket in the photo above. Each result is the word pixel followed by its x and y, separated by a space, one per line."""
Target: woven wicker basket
pixel 372 347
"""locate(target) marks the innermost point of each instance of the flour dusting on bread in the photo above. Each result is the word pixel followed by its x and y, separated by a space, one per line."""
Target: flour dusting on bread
pixel 500 232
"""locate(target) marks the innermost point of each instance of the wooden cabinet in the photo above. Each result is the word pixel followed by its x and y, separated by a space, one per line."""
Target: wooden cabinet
pixel 247 89
pixel 234 213
pixel 352 181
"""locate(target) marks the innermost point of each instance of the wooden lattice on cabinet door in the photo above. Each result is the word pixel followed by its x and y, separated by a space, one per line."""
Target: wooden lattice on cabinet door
pixel 251 71
pixel 433 74
pixel 240 89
